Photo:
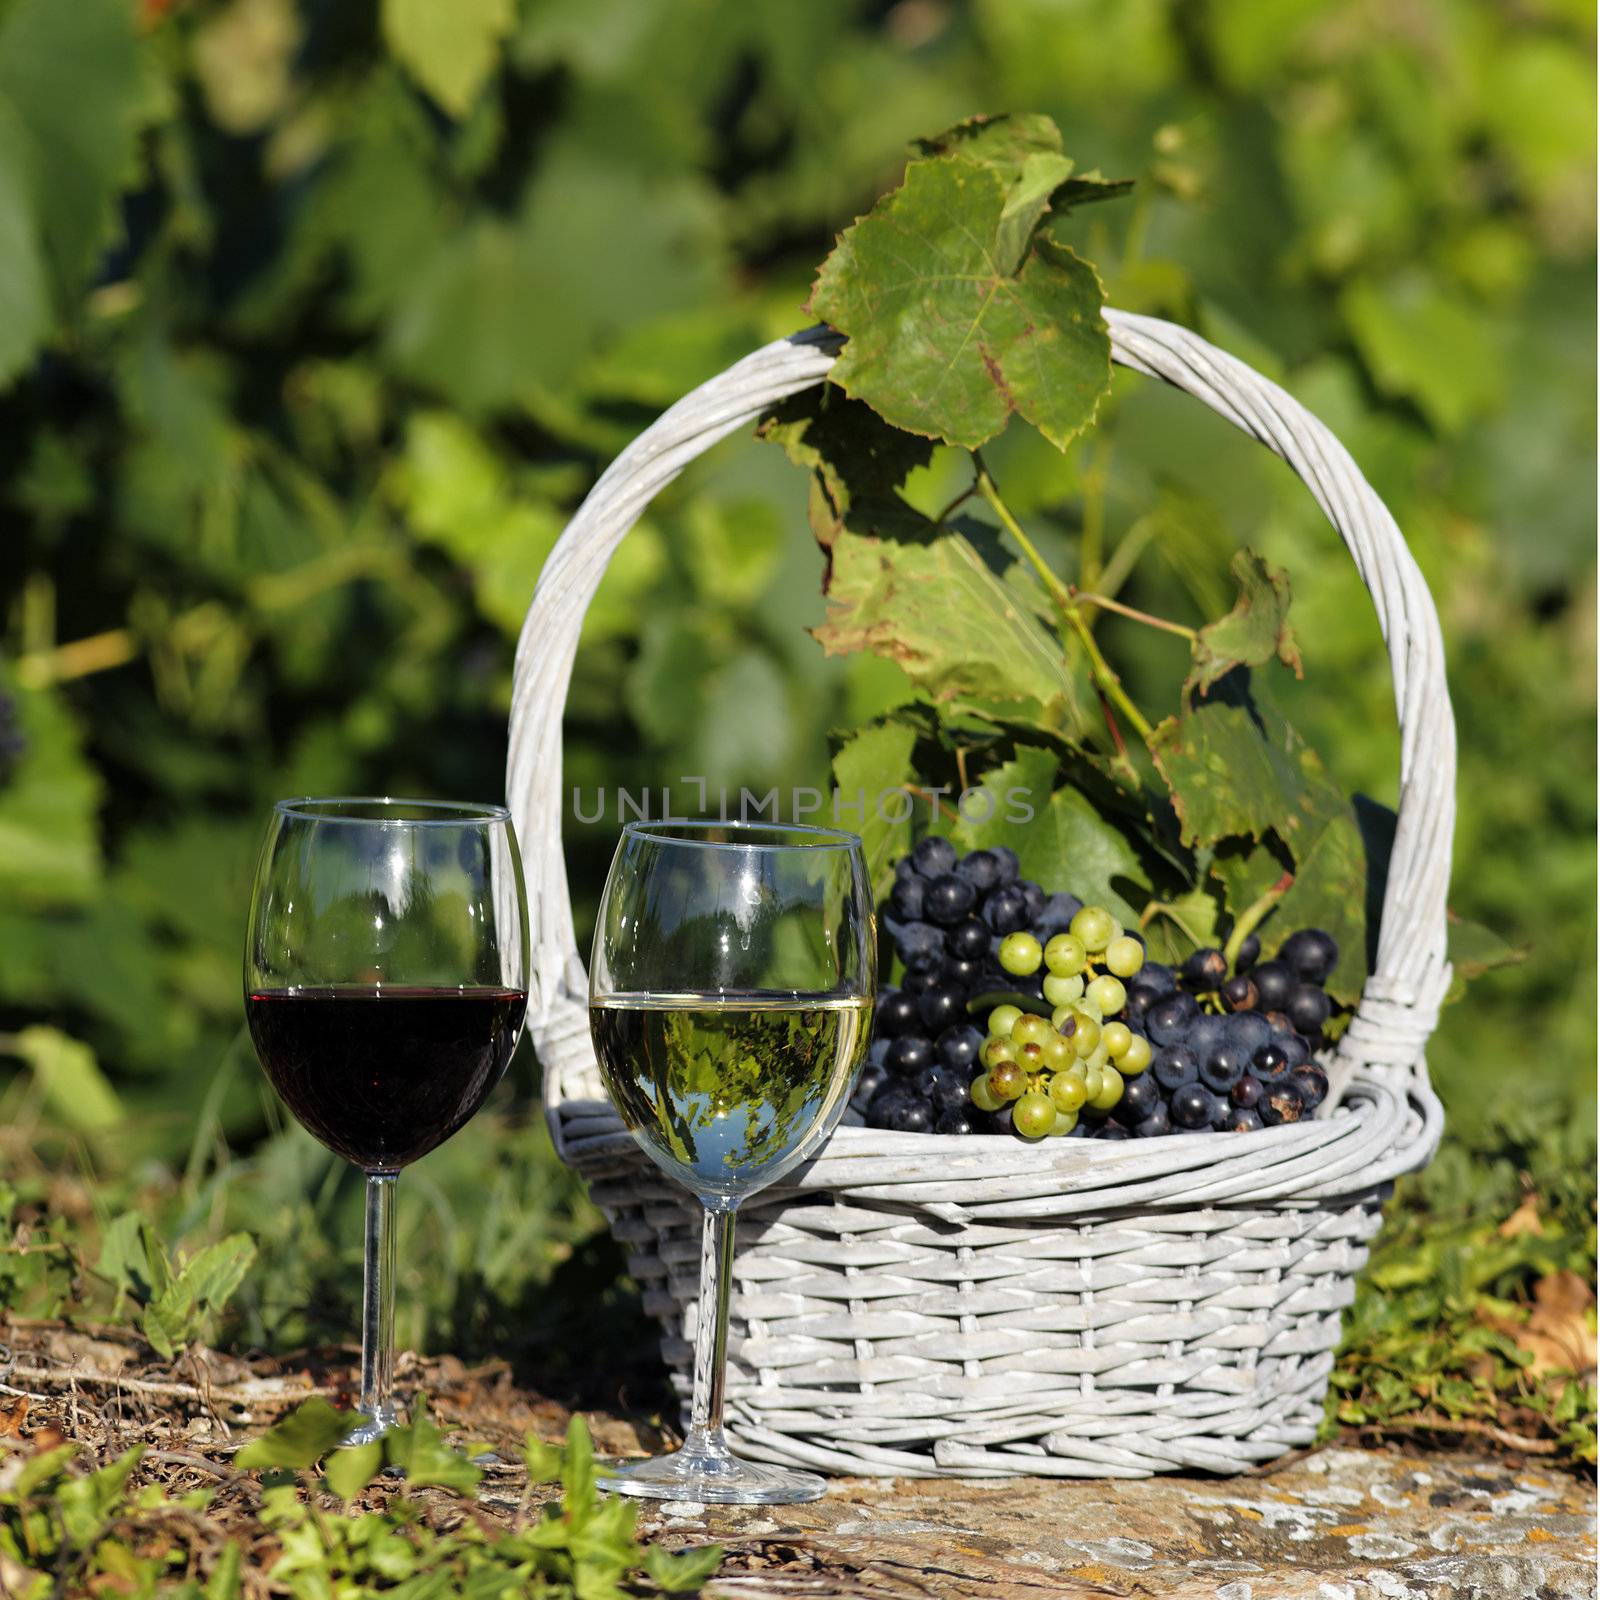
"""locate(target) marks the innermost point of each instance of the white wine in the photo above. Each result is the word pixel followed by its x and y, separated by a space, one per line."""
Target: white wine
pixel 727 1092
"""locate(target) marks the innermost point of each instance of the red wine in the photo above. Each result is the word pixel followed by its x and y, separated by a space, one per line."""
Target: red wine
pixel 384 1076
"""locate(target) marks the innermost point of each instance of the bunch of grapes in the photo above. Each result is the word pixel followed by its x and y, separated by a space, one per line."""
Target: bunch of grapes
pixel 1085 1036
pixel 12 739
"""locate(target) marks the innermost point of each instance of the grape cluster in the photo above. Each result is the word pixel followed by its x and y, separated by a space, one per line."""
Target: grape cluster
pixel 12 739
pixel 1130 1048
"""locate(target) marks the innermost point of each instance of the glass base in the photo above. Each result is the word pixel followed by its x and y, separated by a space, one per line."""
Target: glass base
pixel 381 1420
pixel 704 1472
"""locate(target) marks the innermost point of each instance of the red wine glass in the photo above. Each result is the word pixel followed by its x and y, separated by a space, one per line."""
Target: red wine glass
pixel 385 978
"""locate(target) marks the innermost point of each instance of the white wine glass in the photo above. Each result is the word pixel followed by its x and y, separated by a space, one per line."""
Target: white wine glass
pixel 730 1000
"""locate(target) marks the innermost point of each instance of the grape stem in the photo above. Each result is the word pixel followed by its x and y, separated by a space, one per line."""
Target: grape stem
pixel 933 799
pixel 1106 603
pixel 1252 916
pixel 1105 679
pixel 959 501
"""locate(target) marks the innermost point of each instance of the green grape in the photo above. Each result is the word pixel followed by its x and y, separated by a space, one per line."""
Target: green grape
pixel 1116 1037
pixel 1124 956
pixel 1096 927
pixel 1020 954
pixel 1068 1090
pixel 983 1097
pixel 1029 1029
pixel 1092 1084
pixel 1030 1057
pixel 1063 991
pixel 1099 1057
pixel 1136 1057
pixel 1033 1116
pixel 1065 1018
pixel 1065 955
pixel 997 1049
pixel 1007 1080
pixel 1110 1090
pixel 1107 993
pixel 1087 1039
pixel 1002 1019
pixel 1058 1052
pixel 1066 1121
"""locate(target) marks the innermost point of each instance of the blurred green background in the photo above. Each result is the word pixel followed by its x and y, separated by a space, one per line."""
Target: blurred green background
pixel 317 319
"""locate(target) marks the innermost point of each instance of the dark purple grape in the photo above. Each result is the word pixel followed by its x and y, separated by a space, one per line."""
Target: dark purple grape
pixel 907 898
pixel 1249 954
pixel 1056 916
pixel 980 869
pixel 1309 1009
pixel 1270 1062
pixel 1157 977
pixel 1006 860
pixel 958 1047
pixel 942 1086
pixel 1136 1005
pixel 1247 1029
pixel 878 1051
pixel 908 1055
pixel 1312 954
pixel 965 974
pixel 916 943
pixel 1246 1091
pixel 905 868
pixel 949 899
pixel 1205 970
pixel 1169 1020
pixel 1274 982
pixel 1223 1067
pixel 885 1105
pixel 1191 1106
pixel 1221 1110
pixel 912 1115
pixel 968 940
pixel 1154 1125
pixel 954 1121
pixel 1033 896
pixel 1006 910
pixel 1295 1049
pixel 1281 1026
pixel 1140 1096
pixel 933 857
pixel 920 980
pixel 942 1007
pixel 1310 1083
pixel 1244 1119
pixel 1280 1104
pixel 1113 1130
pixel 1239 993
pixel 869 1081
pixel 1174 1065
pixel 897 1014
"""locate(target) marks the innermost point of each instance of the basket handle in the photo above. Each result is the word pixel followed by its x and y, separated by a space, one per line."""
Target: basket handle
pixel 1400 1003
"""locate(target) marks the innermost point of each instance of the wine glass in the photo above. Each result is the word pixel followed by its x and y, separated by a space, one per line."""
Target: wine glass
pixel 730 1001
pixel 385 979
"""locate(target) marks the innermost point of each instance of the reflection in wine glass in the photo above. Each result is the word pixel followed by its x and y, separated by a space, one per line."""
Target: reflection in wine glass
pixel 730 1003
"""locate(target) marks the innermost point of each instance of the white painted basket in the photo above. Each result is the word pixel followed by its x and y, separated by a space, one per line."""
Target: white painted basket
pixel 927 1305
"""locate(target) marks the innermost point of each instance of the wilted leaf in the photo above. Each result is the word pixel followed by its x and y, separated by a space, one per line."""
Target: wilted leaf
pixel 877 762
pixel 944 338
pixel 302 1439
pixel 1061 841
pixel 1253 633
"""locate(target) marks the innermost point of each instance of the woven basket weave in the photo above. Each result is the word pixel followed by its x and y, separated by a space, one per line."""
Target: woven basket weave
pixel 925 1305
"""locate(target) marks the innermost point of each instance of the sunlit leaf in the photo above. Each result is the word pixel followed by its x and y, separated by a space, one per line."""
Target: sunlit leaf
pixel 301 1439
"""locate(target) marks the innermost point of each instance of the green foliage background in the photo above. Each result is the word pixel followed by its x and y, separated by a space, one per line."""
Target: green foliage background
pixel 318 318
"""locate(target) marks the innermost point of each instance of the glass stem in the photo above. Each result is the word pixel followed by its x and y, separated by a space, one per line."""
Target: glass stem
pixel 377 1302
pixel 711 1337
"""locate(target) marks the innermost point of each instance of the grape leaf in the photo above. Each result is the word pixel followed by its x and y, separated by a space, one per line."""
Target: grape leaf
pixel 301 1439
pixel 945 339
pixel 1061 841
pixel 873 763
pixel 25 312
pixel 1474 950
pixel 453 50
pixel 1253 633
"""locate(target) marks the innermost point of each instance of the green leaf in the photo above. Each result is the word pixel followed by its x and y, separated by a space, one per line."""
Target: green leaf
pixel 132 1258
pixel 944 339
pixel 25 312
pixel 964 637
pixel 876 762
pixel 349 1471
pixel 683 1573
pixel 1061 841
pixel 226 1581
pixel 452 50
pixel 577 1473
pixel 86 1504
pixel 302 1439
pixel 71 79
pixel 1474 950
pixel 43 1468
pixel 1256 630
pixel 49 852
pixel 203 1285
pixel 543 1460
pixel 418 1449
pixel 70 1079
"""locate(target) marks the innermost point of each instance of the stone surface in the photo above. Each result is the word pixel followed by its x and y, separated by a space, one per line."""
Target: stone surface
pixel 1337 1525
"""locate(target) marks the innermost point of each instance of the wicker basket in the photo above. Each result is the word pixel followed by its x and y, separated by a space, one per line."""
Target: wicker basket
pixel 924 1305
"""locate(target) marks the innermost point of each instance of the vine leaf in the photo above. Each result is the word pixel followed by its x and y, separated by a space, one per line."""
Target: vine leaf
pixel 945 336
pixel 875 763
pixel 1255 632
pixel 1244 780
